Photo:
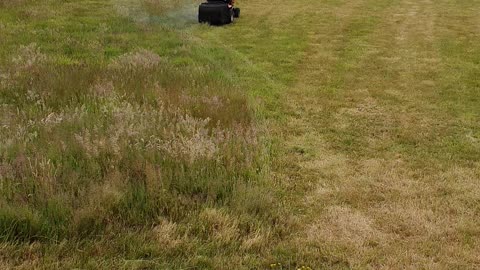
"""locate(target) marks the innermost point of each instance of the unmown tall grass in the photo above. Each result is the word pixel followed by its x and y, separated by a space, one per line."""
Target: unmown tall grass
pixel 87 145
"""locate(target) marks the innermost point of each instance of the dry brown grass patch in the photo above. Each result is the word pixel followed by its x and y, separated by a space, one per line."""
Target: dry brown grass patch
pixel 220 225
pixel 166 235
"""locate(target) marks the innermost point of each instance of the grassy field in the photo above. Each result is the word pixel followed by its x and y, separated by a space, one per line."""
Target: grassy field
pixel 327 134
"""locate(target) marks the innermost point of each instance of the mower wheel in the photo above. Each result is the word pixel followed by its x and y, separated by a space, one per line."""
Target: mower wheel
pixel 232 16
pixel 236 12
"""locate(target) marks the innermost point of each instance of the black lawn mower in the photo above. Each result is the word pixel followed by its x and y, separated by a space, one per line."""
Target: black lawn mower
pixel 218 12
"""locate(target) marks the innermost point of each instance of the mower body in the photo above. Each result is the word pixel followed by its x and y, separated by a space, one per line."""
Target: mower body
pixel 217 12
